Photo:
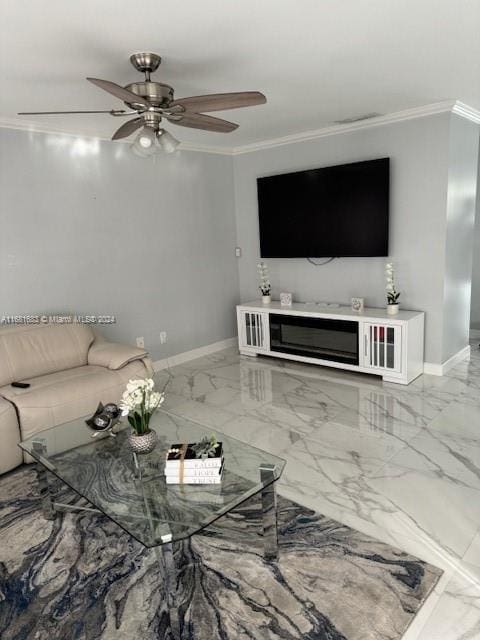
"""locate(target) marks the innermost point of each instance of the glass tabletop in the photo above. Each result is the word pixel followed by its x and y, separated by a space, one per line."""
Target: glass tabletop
pixel 132 491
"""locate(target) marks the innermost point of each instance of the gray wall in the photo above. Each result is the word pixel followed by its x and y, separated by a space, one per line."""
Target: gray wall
pixel 475 303
pixel 419 173
pixel 461 200
pixel 87 227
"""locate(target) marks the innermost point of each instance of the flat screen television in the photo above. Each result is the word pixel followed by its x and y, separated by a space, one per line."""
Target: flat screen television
pixel 339 211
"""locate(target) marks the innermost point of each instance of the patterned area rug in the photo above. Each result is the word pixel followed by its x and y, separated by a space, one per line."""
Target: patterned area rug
pixel 81 577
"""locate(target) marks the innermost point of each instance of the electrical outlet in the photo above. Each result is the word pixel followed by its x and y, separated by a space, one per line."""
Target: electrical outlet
pixel 238 252
pixel 163 337
pixel 141 343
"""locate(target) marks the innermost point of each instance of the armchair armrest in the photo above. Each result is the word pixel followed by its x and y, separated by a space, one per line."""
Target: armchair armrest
pixel 113 355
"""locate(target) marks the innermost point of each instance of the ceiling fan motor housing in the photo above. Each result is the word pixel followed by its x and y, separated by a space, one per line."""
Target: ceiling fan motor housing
pixel 158 94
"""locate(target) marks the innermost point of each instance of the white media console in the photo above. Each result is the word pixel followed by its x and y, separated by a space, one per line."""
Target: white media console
pixel 370 342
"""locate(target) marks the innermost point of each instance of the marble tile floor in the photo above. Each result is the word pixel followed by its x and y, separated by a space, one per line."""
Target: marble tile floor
pixel 400 463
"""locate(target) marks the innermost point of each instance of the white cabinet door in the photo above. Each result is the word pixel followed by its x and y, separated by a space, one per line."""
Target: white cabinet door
pixel 253 330
pixel 382 347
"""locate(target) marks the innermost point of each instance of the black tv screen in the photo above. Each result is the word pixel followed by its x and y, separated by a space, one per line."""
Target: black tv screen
pixel 339 211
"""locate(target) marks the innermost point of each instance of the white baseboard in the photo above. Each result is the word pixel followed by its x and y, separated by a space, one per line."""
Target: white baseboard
pixel 433 369
pixel 430 368
pixel 440 369
pixel 474 334
pixel 180 358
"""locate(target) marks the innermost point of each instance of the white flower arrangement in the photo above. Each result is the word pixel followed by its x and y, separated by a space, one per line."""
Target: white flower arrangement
pixel 392 293
pixel 139 402
pixel 265 286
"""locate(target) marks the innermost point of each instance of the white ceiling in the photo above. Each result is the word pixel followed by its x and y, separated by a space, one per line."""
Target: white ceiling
pixel 317 61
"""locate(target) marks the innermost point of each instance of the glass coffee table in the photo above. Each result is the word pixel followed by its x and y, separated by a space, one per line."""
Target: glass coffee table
pixel 132 492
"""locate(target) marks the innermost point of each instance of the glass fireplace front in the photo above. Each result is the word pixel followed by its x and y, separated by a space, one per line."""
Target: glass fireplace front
pixel 321 338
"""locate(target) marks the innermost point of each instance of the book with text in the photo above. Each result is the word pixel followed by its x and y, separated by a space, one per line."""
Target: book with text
pixel 197 477
pixel 185 453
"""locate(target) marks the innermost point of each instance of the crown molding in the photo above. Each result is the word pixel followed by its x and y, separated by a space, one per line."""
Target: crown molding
pixel 462 109
pixel 448 106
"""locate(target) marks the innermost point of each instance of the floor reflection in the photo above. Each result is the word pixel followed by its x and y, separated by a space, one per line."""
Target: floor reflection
pixel 401 463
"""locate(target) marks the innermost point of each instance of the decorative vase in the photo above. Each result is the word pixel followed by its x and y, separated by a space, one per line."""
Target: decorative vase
pixel 266 299
pixel 392 309
pixel 144 443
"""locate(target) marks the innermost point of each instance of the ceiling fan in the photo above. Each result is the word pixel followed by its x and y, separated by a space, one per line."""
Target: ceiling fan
pixel 151 101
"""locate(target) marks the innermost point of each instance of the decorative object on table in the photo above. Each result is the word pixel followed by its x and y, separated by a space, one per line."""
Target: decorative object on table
pixel 357 305
pixel 265 286
pixel 113 411
pixel 104 419
pixel 195 463
pixel 207 448
pixel 286 299
pixel 139 402
pixel 195 476
pixel 392 293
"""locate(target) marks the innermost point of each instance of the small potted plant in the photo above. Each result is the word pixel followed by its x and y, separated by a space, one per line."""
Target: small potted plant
pixel 392 293
pixel 139 402
pixel 265 286
pixel 206 448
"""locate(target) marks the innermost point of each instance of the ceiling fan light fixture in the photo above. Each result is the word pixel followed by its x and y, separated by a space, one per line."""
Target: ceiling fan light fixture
pixel 146 138
pixel 145 143
pixel 167 142
pixel 150 142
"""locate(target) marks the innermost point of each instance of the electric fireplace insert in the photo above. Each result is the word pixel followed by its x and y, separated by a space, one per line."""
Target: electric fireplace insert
pixel 321 338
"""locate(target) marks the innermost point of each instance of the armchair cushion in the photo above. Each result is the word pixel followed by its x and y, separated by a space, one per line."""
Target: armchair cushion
pixel 113 355
pixel 65 395
pixel 28 351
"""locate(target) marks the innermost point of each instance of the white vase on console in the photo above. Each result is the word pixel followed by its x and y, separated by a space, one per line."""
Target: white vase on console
pixel 267 299
pixel 392 309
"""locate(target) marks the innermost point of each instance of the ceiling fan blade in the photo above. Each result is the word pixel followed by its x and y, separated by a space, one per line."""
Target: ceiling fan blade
pixel 220 101
pixel 119 92
pixel 128 128
pixel 199 121
pixel 112 112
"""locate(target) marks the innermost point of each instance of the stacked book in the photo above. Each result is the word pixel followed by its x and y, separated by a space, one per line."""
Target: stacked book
pixel 183 466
